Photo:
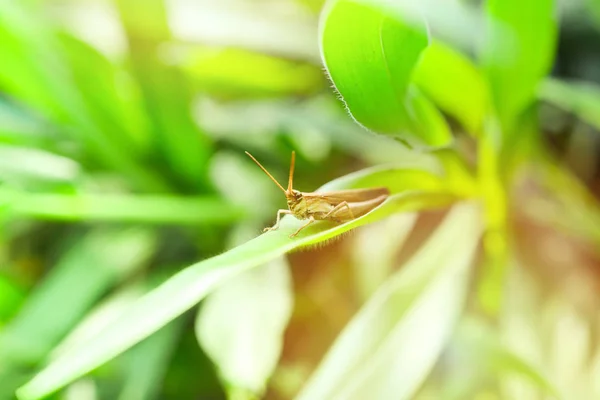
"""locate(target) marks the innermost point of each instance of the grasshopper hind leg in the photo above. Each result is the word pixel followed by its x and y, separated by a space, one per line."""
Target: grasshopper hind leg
pixel 337 208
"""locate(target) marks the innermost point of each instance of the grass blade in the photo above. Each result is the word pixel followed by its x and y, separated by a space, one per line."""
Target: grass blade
pixel 579 98
pixel 125 208
pixel 246 348
pixel 79 279
pixel 166 92
pixel 148 361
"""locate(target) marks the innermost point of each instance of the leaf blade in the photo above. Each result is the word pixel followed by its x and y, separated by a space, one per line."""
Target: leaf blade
pixel 78 280
pixel 370 57
pixel 246 349
pixel 394 321
pixel 454 84
pixel 580 98
pixel 517 52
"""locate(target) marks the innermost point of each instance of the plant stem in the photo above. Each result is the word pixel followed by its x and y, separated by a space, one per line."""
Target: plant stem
pixel 495 241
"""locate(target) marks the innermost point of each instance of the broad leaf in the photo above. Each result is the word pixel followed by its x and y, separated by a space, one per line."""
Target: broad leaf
pixel 454 84
pixel 517 53
pixel 370 58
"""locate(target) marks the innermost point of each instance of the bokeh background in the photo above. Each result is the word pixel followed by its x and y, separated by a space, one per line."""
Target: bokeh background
pixel 123 126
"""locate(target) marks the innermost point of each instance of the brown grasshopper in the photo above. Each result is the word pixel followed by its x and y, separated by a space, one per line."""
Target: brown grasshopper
pixel 339 206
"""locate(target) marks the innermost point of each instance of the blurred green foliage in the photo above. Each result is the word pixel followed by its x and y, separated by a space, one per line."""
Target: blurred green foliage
pixel 126 199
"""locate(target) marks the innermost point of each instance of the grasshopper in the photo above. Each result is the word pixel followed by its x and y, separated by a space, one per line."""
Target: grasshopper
pixel 339 206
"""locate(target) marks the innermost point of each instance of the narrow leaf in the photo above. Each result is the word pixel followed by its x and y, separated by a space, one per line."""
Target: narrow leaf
pixel 481 341
pixel 374 251
pixel 148 361
pixel 79 279
pixel 246 347
pixel 122 208
pixel 36 71
pixel 111 99
pixel 11 298
pixel 98 318
pixel 579 98
pixel 166 92
pixel 389 347
pixel 22 164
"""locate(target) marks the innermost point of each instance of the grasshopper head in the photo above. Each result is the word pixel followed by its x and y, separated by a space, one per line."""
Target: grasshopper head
pixel 293 197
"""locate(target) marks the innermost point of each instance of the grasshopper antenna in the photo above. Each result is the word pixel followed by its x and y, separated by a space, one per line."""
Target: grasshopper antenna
pixel 291 180
pixel 267 172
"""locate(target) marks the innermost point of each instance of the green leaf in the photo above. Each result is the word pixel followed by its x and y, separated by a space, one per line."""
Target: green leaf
pixel 148 361
pixel 20 127
pixel 517 53
pixel 481 355
pixel 370 58
pixel 167 93
pixel 403 328
pixel 454 84
pixel 430 118
pixel 10 380
pixel 241 324
pixel 188 287
pixel 375 249
pixel 36 71
pixel 594 7
pixel 111 99
pixel 39 81
pixel 235 73
pixel 21 164
pixel 579 98
pixel 11 298
pixel 102 315
pixel 122 208
pixel 572 208
pixel 480 341
pixel 78 280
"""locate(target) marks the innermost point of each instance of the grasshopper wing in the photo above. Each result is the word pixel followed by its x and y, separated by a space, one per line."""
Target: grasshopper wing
pixel 349 196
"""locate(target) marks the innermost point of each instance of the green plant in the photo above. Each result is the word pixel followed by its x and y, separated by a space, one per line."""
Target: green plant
pixel 395 79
